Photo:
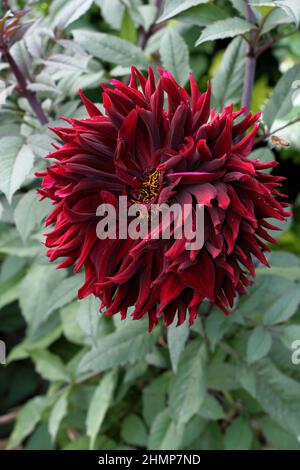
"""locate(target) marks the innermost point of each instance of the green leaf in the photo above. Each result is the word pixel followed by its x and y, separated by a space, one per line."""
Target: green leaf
pixel 50 366
pixel 164 434
pixel 177 337
pixel 238 435
pixel 110 48
pixel 202 15
pixel 221 376
pixel 174 7
pixel 222 29
pixel 290 7
pixel 70 12
pixel 112 12
pixel 28 346
pixel 29 212
pixel 27 420
pixel 57 414
pixel 277 437
pixel 188 387
pixel 278 395
pixel 211 409
pixel 99 405
pixel 15 164
pixel 128 344
pixel 64 293
pixel 134 431
pixel 280 102
pixel 154 397
pixel 175 55
pixel 128 30
pixel 34 292
pixel 259 344
pixel 285 307
pixel 227 83
pixel 88 318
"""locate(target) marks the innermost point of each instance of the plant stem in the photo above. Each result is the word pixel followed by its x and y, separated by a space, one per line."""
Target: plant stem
pixel 30 95
pixel 145 35
pixel 250 65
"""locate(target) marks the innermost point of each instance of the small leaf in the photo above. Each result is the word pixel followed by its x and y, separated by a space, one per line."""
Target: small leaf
pixel 238 435
pixel 15 164
pixel 99 405
pixel 64 293
pixel 110 48
pixel 29 212
pixel 259 344
pixel 177 337
pixel 174 7
pixel 188 387
pixel 58 412
pixel 127 345
pixel 164 434
pixel 175 55
pixel 222 29
pixel 50 366
pixel 227 83
pixel 133 431
pixel 27 420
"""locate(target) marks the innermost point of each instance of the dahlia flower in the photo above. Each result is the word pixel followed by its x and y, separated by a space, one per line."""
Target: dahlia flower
pixel 153 152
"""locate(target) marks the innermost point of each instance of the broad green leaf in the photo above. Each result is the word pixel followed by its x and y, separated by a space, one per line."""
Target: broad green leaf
pixel 28 346
pixel 12 244
pixel 57 414
pixel 99 405
pixel 211 409
pixel 175 55
pixel 202 15
pixel 276 18
pixel 71 329
pixel 88 318
pixel 216 325
pixel 154 397
pixel 112 12
pixel 70 12
pixel 290 334
pixel 27 420
pixel 221 376
pixel 34 292
pixel 278 395
pixel 29 212
pixel 128 344
pixel 110 48
pixel 164 434
pixel 271 300
pixel 133 431
pixel 188 387
pixel 64 293
pixel 222 29
pixel 238 435
pixel 259 344
pixel 277 437
pixel 15 164
pixel 227 83
pixel 174 7
pixel 240 6
pixel 280 102
pixel 50 366
pixel 177 337
pixel 290 7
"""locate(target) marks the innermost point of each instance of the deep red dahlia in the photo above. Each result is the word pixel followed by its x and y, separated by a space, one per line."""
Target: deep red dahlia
pixel 183 152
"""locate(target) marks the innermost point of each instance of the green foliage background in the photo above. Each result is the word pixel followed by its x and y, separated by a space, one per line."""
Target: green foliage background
pixel 74 380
